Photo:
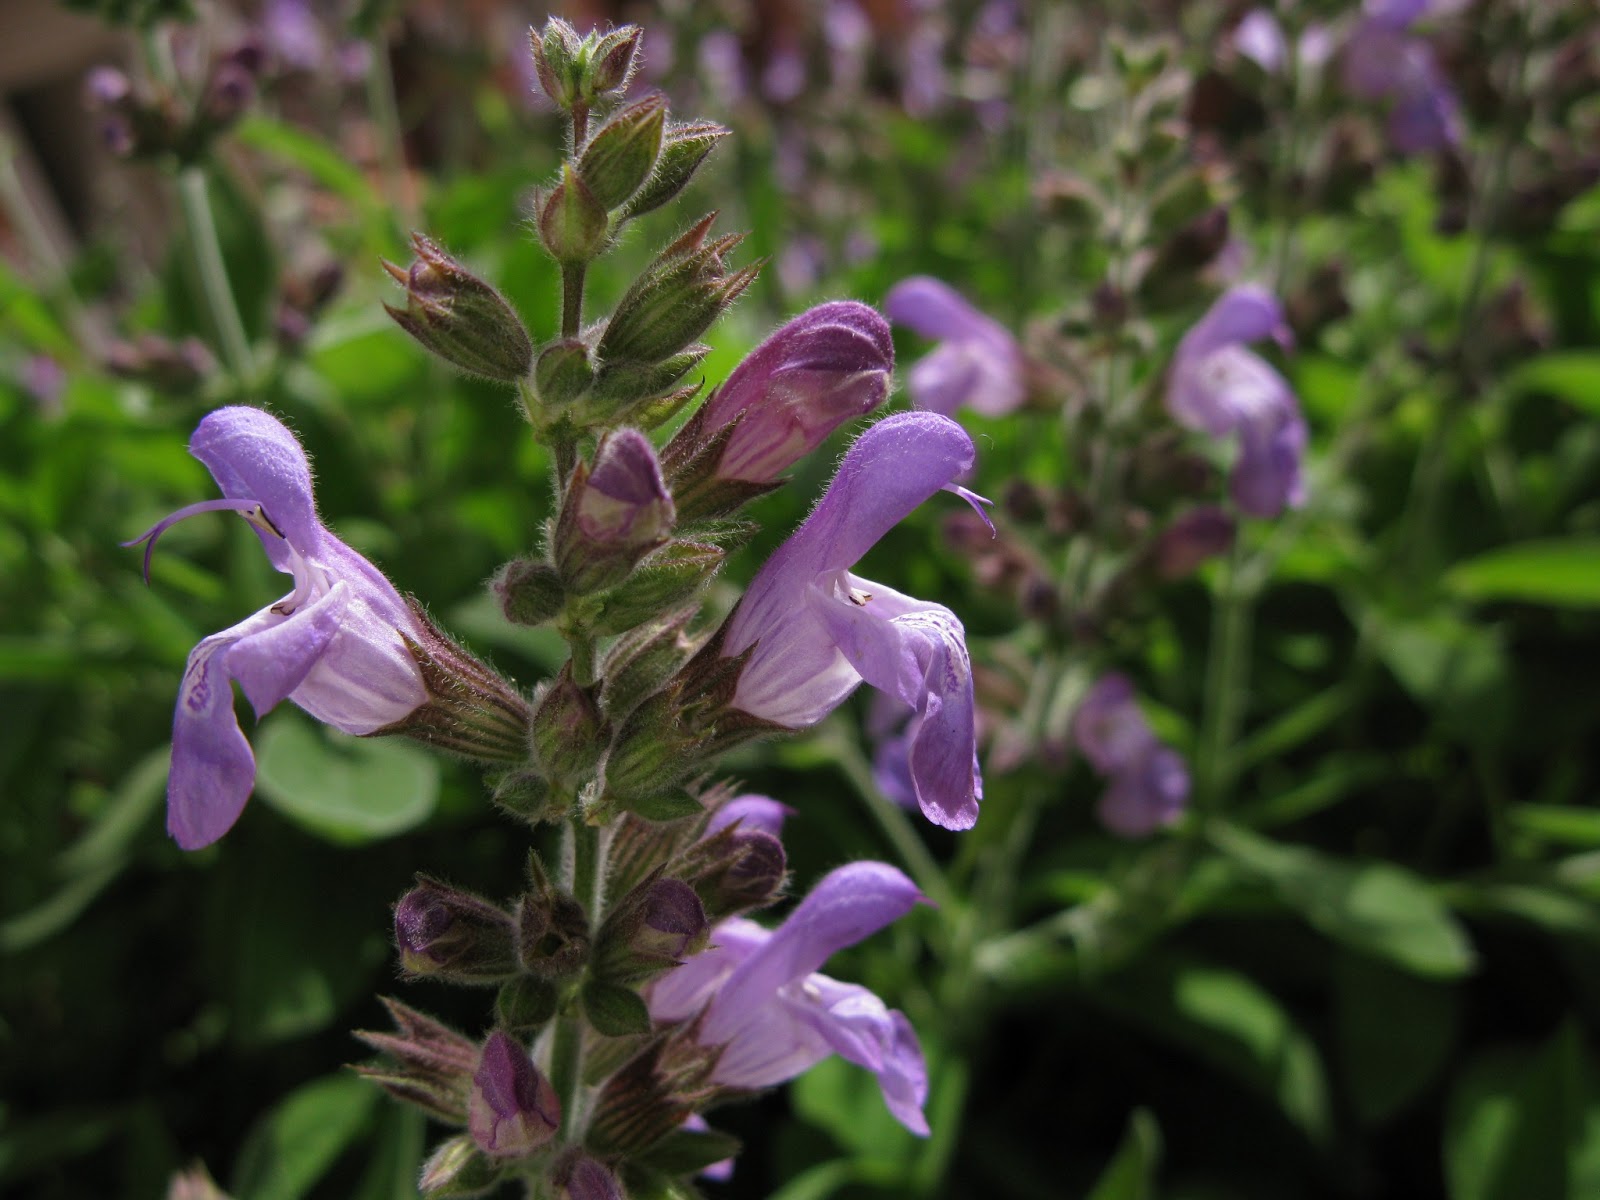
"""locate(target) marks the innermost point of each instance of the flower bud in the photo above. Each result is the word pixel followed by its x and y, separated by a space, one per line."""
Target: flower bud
pixel 611 60
pixel 527 795
pixel 556 60
pixel 432 1063
pixel 613 514
pixel 614 1010
pixel 668 578
pixel 529 591
pixel 459 317
pixel 585 1179
pixel 563 373
pixel 642 659
pixel 572 222
pixel 525 1005
pixel 676 298
pixel 735 870
pixel 642 394
pixel 1191 539
pixel 654 928
pixel 620 157
pixel 195 1184
pixel 683 149
pixel 457 1168
pixel 445 932
pixel 826 367
pixel 569 733
pixel 552 931
pixel 513 1110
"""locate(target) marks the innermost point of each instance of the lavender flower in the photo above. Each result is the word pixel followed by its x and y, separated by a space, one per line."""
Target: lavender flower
pixel 512 1110
pixel 1149 782
pixel 335 645
pixel 1384 60
pixel 774 1017
pixel 978 364
pixel 1219 387
pixel 814 632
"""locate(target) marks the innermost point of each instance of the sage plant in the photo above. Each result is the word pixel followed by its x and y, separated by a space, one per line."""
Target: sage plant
pixel 627 991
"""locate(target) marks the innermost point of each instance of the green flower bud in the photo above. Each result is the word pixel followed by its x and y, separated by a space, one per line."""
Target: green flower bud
pixel 669 577
pixel 622 154
pixel 611 60
pixel 561 376
pixel 683 149
pixel 569 732
pixel 459 317
pixel 572 223
pixel 556 49
pixel 457 1168
pixel 529 590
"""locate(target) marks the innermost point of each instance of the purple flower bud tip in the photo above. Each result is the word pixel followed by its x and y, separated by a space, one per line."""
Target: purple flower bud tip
pixel 978 364
pixel 1195 536
pixel 675 916
pixel 590 1181
pixel 106 87
pixel 335 645
pixel 814 631
pixel 420 920
pixel 626 499
pixel 513 1109
pixel 1219 387
pixel 824 368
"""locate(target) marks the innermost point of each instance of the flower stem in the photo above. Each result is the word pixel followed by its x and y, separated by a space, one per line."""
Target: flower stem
pixel 571 298
pixel 581 874
pixel 201 226
pixel 385 111
pixel 1227 664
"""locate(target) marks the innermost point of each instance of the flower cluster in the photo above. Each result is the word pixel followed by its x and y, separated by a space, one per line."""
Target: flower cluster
pixel 1149 783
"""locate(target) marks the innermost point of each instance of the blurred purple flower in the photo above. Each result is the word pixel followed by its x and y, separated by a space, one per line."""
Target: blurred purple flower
pixel 44 379
pixel 335 645
pixel 721 61
pixel 1384 60
pixel 814 632
pixel 775 1017
pixel 1219 387
pixel 978 363
pixel 761 814
pixel 1149 784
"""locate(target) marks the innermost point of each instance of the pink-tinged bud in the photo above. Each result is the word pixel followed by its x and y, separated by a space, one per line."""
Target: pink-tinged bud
pixel 826 367
pixel 613 515
pixel 611 61
pixel 513 1110
pixel 588 1180
pixel 459 317
pixel 443 931
pixel 430 1065
pixel 1197 535
pixel 653 929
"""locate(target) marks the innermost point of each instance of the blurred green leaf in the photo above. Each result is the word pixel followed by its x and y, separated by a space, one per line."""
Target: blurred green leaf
pixel 1131 1175
pixel 1525 1126
pixel 1377 907
pixel 1456 669
pixel 324 164
pixel 1562 824
pixel 1557 571
pixel 345 789
pixel 1571 375
pixel 1395 1033
pixel 847 1102
pixel 818 1183
pixel 300 1139
pixel 396 1157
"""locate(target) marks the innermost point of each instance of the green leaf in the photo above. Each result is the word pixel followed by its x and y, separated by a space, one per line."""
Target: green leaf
pixel 1131 1175
pixel 344 789
pixel 1571 375
pixel 613 1010
pixel 1563 824
pixel 1228 1019
pixel 846 1101
pixel 299 1140
pixel 1395 1033
pixel 397 1154
pixel 690 1151
pixel 1524 1126
pixel 1376 907
pixel 1563 572
pixel 1456 669
pixel 818 1183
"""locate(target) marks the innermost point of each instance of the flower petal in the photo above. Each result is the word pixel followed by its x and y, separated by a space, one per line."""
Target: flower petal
pixel 845 906
pixel 861 1029
pixel 684 990
pixel 253 456
pixel 934 309
pixel 761 813
pixel 274 662
pixel 1243 314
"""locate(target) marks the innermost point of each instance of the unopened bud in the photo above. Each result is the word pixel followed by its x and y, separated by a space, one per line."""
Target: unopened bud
pixel 452 934
pixel 513 1110
pixel 676 298
pixel 431 1064
pixel 654 928
pixel 229 91
pixel 634 392
pixel 611 61
pixel 613 514
pixel 621 155
pixel 529 590
pixel 572 222
pixel 736 870
pixel 569 733
pixel 552 931
pixel 668 578
pixel 642 660
pixel 683 149
pixel 457 1168
pixel 563 373
pixel 1195 536
pixel 526 794
pixel 459 317
pixel 556 60
pixel 585 1179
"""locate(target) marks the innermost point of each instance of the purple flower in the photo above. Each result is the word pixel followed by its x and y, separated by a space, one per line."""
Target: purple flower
pixel 335 645
pixel 513 1110
pixel 588 1180
pixel 829 365
pixel 1149 782
pixel 752 813
pixel 1219 387
pixel 978 364
pixel 774 1017
pixel 1384 60
pixel 814 631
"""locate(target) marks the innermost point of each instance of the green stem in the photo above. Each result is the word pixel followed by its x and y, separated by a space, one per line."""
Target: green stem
pixel 571 298
pixel 385 110
pixel 201 226
pixel 582 872
pixel 1227 675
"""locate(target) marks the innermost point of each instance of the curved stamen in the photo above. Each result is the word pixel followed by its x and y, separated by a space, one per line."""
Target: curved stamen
pixel 248 509
pixel 973 499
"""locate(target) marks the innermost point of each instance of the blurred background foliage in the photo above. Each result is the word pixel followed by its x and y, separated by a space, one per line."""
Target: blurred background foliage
pixel 1369 966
